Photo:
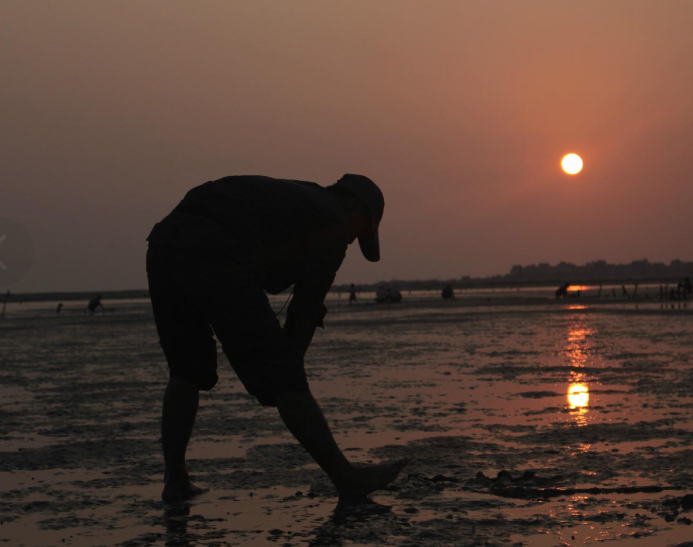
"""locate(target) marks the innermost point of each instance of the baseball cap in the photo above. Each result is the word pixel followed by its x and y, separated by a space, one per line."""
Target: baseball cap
pixel 369 193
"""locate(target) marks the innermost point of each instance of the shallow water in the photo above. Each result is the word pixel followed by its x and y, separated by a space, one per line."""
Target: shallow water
pixel 592 397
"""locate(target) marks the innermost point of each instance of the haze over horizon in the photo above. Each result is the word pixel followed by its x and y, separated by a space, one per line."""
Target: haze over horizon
pixel 460 111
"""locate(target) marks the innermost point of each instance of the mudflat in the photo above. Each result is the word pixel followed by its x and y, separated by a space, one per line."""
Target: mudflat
pixel 526 422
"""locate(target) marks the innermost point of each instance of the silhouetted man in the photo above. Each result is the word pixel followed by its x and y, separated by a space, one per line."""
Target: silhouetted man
pixel 209 265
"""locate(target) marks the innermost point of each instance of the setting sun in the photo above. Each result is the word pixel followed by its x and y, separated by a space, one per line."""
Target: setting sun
pixel 571 164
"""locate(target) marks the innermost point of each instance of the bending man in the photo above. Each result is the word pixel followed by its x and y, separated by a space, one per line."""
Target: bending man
pixel 209 264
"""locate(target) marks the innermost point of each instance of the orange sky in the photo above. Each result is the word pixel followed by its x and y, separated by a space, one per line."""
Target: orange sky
pixel 461 111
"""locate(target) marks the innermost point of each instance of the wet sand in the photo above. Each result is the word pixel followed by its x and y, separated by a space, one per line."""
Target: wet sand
pixel 527 421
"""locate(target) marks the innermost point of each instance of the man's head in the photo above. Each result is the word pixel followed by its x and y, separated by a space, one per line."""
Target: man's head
pixel 365 213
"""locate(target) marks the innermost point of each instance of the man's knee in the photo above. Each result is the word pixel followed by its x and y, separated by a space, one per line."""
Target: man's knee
pixel 283 397
pixel 180 383
pixel 180 388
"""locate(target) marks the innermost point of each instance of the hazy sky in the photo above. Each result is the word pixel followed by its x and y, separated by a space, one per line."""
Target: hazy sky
pixel 460 111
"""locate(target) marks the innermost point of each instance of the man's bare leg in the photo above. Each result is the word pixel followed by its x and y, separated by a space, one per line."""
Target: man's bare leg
pixel 181 400
pixel 305 420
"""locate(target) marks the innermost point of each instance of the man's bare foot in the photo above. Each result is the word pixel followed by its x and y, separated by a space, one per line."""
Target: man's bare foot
pixel 369 478
pixel 179 489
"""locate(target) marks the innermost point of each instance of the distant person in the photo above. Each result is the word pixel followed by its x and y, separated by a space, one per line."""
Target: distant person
pixel 688 285
pixel 562 291
pixel 4 303
pixel 448 293
pixel 352 294
pixel 381 295
pixel 95 303
pixel 59 308
pixel 209 265
pixel 393 295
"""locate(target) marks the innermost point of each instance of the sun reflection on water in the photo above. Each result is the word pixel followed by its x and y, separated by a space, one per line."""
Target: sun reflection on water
pixel 578 396
pixel 578 350
pixel 578 347
pixel 578 402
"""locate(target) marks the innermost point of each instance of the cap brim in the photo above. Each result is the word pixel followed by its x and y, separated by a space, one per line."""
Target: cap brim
pixel 370 244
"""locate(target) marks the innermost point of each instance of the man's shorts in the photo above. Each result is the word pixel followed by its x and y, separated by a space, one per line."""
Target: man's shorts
pixel 199 293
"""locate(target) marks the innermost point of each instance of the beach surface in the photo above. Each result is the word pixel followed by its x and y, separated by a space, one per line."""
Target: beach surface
pixel 528 421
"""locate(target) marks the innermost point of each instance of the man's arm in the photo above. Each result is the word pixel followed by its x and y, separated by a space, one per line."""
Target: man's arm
pixel 300 332
pixel 307 309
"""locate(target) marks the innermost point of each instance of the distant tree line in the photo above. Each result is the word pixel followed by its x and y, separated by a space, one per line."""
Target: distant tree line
pixel 540 274
pixel 600 270
pixel 544 273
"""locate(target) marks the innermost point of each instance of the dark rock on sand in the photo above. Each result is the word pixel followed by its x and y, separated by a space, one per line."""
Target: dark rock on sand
pixel 687 502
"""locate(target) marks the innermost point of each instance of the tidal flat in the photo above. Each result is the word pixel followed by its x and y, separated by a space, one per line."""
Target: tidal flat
pixel 527 421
